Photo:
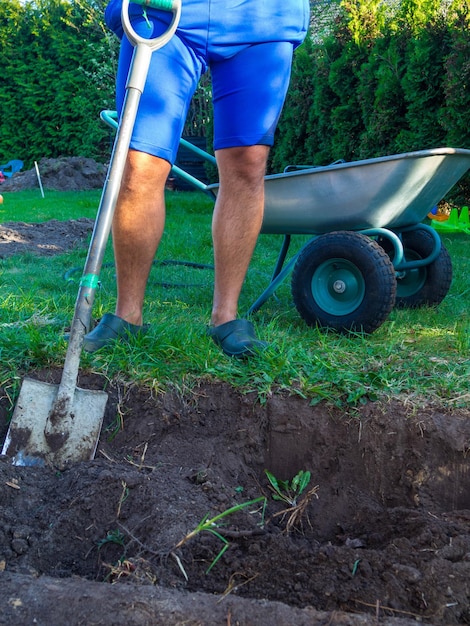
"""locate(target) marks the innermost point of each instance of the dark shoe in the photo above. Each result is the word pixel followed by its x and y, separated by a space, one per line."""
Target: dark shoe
pixel 237 338
pixel 110 328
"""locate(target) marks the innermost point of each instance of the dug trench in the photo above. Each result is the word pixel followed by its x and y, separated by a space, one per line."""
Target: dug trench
pixel 383 536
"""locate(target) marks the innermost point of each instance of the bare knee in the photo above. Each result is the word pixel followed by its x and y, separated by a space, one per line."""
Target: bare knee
pixel 144 171
pixel 243 165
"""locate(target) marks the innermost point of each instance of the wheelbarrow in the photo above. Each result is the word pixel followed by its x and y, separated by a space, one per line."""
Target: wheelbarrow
pixel 369 250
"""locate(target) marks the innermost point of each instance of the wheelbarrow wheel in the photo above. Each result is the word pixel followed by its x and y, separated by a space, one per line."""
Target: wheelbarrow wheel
pixel 427 285
pixel 344 281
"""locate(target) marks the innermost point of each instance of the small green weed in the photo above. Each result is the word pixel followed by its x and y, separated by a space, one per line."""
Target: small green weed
pixel 290 492
pixel 210 525
pixel 112 536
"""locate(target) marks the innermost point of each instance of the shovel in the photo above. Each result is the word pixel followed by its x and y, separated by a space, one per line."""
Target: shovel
pixel 55 425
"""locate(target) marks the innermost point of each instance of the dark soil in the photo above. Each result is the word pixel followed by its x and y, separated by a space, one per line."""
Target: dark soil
pixel 45 238
pixel 384 540
pixel 387 541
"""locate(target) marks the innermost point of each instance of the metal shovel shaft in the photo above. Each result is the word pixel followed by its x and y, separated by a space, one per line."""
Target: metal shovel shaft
pixel 57 423
pixel 59 417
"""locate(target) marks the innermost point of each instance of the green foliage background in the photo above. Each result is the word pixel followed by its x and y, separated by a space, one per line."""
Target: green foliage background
pixel 58 64
pixel 387 78
pixel 375 77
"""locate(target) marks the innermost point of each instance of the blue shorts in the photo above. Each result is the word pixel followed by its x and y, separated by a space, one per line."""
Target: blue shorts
pixel 248 47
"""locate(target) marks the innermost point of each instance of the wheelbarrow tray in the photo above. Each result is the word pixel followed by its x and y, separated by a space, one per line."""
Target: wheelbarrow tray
pixel 392 192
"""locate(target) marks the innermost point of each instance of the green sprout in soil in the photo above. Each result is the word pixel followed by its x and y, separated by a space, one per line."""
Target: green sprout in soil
pixel 115 537
pixel 112 536
pixel 291 494
pixel 210 525
pixel 288 492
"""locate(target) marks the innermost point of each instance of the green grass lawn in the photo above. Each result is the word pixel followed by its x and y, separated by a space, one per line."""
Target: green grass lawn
pixel 421 355
pixel 30 206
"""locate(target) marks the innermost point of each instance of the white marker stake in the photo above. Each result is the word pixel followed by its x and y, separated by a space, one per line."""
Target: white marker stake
pixel 39 178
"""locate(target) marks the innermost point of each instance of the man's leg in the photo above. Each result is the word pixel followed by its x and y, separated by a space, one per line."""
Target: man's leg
pixel 137 229
pixel 249 88
pixel 237 219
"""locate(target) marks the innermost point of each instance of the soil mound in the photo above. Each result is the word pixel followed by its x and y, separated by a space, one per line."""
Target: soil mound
pixel 61 174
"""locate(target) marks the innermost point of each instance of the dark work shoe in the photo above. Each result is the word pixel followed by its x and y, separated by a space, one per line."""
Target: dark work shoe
pixel 237 338
pixel 110 329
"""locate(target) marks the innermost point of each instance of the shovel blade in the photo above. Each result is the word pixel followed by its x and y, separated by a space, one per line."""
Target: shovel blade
pixel 26 442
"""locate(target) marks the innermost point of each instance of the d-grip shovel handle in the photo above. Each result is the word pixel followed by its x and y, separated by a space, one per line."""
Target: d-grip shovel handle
pixel 172 6
pixel 144 47
pixel 58 422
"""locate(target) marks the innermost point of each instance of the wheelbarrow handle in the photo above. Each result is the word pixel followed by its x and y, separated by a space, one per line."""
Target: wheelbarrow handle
pixel 172 6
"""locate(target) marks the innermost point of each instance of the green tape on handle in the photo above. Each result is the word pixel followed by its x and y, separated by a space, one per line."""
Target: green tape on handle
pixel 165 5
pixel 89 280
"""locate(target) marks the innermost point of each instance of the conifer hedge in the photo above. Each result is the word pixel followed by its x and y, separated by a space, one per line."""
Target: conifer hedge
pixel 57 67
pixel 375 77
pixel 388 78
